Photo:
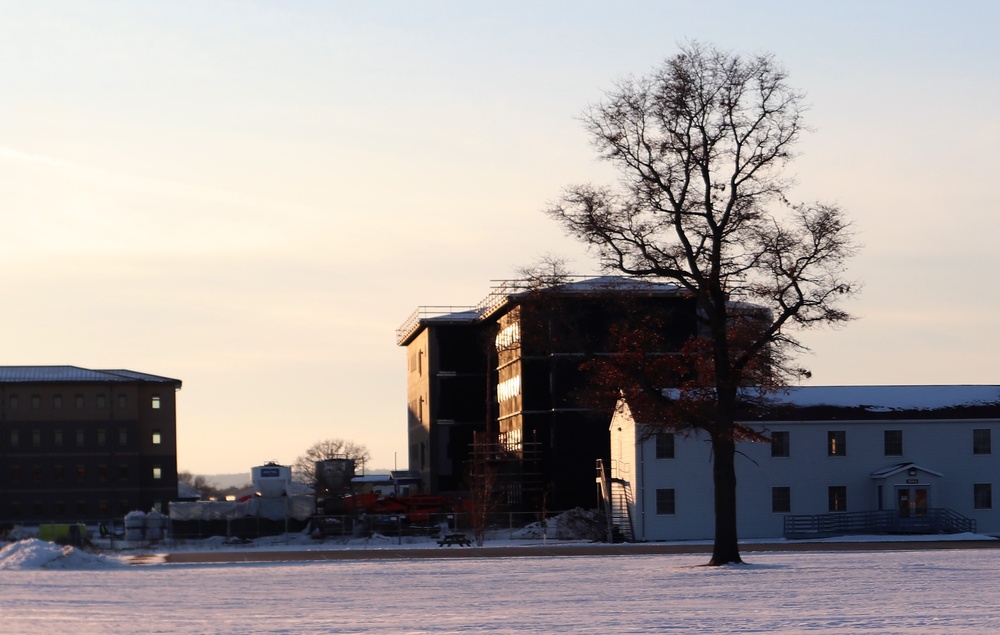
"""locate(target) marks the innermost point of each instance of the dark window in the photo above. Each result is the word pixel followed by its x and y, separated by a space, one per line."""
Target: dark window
pixel 60 508
pixel 81 472
pixel 123 507
pixel 779 443
pixel 13 402
pixel 837 498
pixel 101 401
pixel 123 472
pixel 57 402
pixel 36 473
pixel 102 507
pixel 15 474
pixel 79 402
pixel 982 495
pixel 836 443
pixel 665 502
pixel 122 402
pixel 781 500
pixel 36 438
pixel 36 401
pixel 80 436
pixel 102 472
pixel 122 436
pixel 36 509
pixel 58 473
pixel 15 438
pixel 981 442
pixel 15 508
pixel 57 437
pixel 664 445
pixel 893 442
pixel 102 437
pixel 81 508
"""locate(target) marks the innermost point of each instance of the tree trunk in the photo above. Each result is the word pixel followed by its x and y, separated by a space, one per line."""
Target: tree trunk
pixel 726 549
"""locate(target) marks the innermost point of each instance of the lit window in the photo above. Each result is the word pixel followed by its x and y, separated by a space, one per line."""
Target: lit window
pixel 837 498
pixel 779 443
pixel 664 445
pixel 157 439
pixel 665 502
pixel 836 443
pixel 157 472
pixel 156 402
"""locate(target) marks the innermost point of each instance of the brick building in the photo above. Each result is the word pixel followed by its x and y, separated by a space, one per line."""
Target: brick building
pixel 85 445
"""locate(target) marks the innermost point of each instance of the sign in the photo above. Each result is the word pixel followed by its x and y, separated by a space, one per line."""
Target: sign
pixel 912 481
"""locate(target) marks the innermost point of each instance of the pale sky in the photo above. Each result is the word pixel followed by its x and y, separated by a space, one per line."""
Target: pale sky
pixel 251 197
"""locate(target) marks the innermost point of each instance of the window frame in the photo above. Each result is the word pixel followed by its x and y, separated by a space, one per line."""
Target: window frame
pixel 664 449
pixel 893 447
pixel 836 498
pixel 982 441
pixel 781 494
pixel 982 496
pixel 781 450
pixel 836 442
pixel 666 501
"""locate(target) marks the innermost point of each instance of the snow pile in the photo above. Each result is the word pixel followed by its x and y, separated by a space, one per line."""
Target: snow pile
pixel 576 524
pixel 38 554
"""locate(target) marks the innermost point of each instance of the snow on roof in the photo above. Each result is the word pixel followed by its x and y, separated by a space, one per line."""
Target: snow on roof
pixel 889 398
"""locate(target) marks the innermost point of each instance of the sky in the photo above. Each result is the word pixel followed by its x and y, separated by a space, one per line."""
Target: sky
pixel 252 196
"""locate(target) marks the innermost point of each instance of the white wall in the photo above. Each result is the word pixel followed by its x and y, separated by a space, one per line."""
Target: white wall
pixel 943 446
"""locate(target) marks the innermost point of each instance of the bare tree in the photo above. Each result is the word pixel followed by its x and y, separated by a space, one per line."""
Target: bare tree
pixel 304 468
pixel 700 144
pixel 206 488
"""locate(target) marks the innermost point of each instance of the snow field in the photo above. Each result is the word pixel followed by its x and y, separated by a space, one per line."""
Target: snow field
pixel 928 592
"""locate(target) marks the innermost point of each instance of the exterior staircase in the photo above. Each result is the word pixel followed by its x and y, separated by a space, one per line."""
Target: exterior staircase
pixel 617 502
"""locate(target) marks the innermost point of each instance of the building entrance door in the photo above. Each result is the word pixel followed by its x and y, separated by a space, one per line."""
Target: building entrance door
pixel 911 502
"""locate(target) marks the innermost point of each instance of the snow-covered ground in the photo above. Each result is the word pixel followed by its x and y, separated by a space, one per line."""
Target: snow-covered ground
pixel 46 588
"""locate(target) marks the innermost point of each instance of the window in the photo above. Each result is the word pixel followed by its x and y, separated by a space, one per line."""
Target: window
pixel 58 473
pixel 15 474
pixel 57 401
pixel 102 437
pixel 665 502
pixel 36 402
pixel 837 498
pixel 779 443
pixel 15 438
pixel 781 500
pixel 81 508
pixel 156 402
pixel 157 438
pixel 79 402
pixel 981 442
pixel 122 436
pixel 102 507
pixel 157 472
pixel 101 401
pixel 13 402
pixel 893 442
pixel 81 472
pixel 123 472
pixel 36 508
pixel 122 401
pixel 80 438
pixel 36 473
pixel 36 438
pixel 60 508
pixel 982 496
pixel 664 445
pixel 57 437
pixel 102 472
pixel 836 443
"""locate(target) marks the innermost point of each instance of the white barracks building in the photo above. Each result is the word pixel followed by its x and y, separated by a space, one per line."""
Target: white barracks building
pixel 842 460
